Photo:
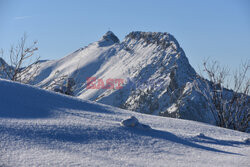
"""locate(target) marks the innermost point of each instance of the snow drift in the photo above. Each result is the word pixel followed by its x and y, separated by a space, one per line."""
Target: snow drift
pixel 42 128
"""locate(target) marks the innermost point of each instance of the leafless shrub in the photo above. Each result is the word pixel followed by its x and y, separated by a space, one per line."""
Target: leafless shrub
pixel 230 108
pixel 62 84
pixel 19 56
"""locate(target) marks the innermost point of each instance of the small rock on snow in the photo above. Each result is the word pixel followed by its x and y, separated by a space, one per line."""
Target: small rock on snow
pixel 133 122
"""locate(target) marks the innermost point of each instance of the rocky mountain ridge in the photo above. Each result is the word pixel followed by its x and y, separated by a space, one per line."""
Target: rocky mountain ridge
pixel 157 77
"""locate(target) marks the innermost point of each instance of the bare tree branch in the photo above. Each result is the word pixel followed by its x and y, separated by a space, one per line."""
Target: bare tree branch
pixel 230 108
pixel 18 57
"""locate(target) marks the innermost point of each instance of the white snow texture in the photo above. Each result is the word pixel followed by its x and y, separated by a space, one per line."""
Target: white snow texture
pixel 42 128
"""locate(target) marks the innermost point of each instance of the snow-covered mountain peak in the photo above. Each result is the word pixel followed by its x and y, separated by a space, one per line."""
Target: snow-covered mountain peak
pixel 155 72
pixel 108 38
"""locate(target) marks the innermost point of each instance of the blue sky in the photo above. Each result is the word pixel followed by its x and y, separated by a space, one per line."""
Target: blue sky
pixel 219 29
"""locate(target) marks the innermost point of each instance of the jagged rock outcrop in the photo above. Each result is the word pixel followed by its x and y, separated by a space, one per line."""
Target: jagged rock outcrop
pixel 108 39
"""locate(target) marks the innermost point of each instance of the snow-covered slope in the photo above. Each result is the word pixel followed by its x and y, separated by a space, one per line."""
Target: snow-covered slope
pixel 3 65
pixel 158 78
pixel 42 128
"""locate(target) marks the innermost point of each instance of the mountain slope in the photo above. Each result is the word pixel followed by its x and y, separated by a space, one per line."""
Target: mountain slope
pixel 41 128
pixel 157 77
pixel 3 65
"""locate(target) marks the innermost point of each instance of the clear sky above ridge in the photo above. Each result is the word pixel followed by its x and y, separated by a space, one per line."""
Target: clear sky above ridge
pixel 219 29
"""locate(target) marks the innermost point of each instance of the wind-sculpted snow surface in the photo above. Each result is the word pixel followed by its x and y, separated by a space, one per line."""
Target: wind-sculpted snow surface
pixel 42 128
pixel 158 78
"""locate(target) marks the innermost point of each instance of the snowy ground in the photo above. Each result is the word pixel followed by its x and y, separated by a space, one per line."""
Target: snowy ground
pixel 41 128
